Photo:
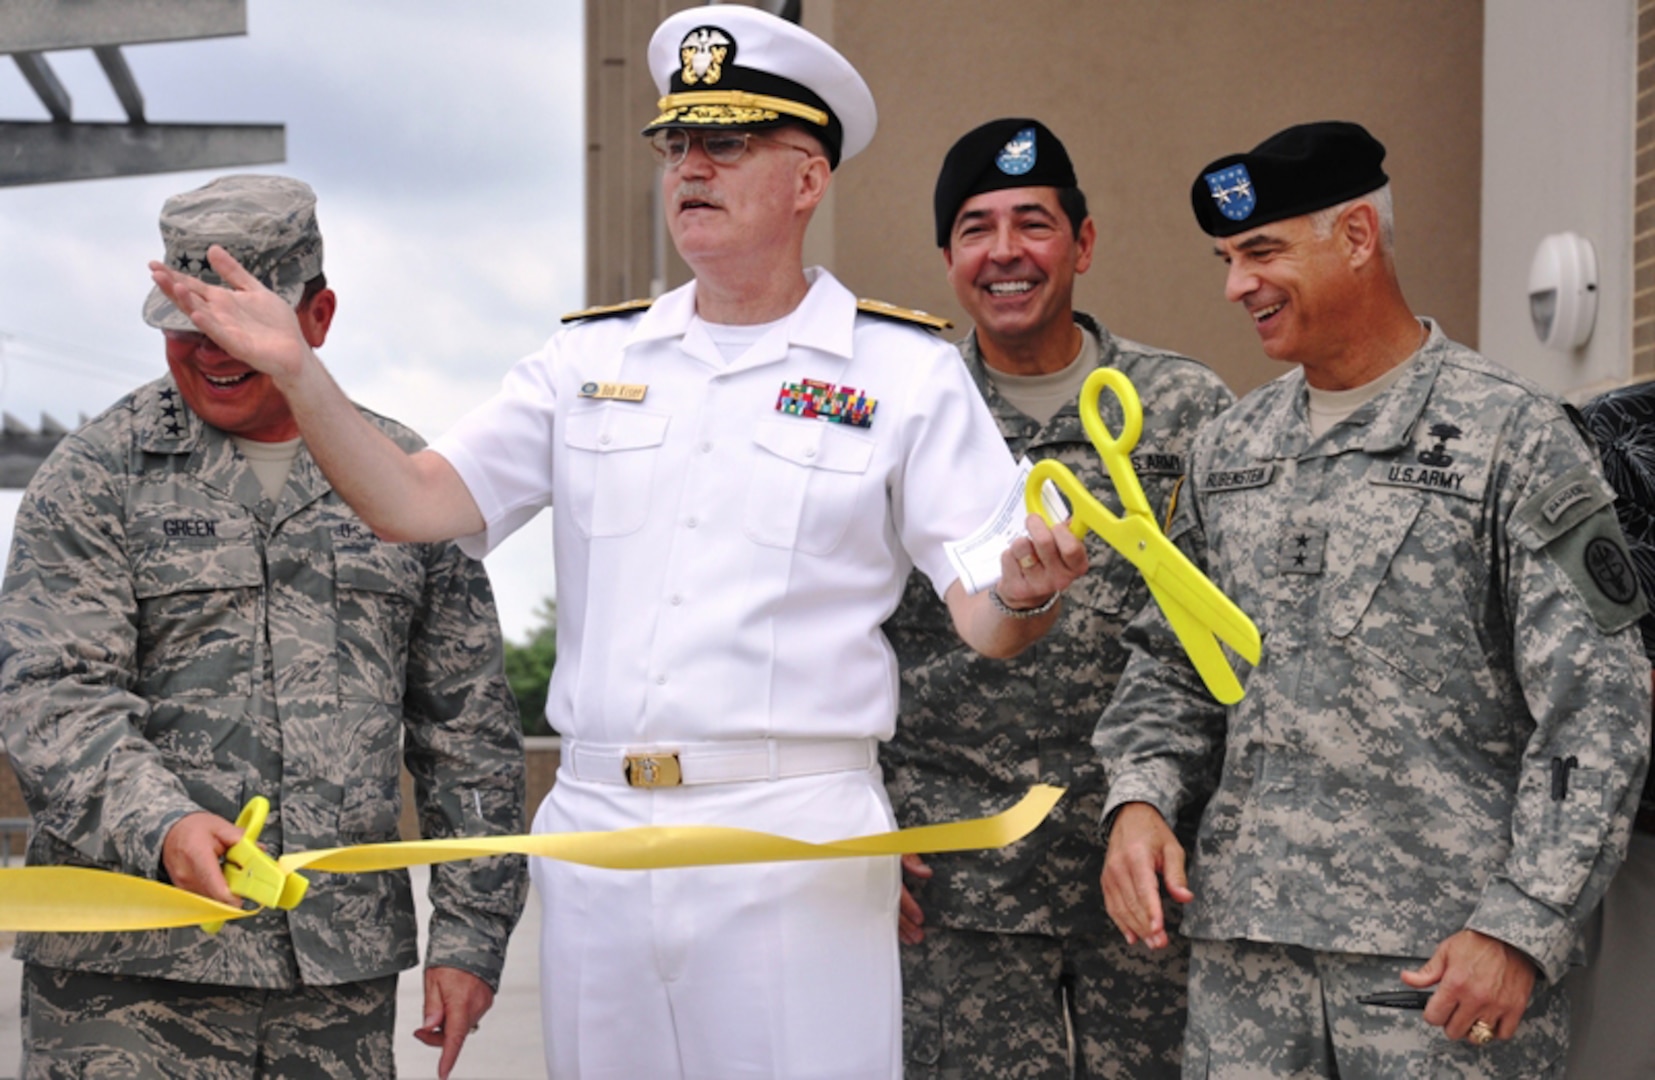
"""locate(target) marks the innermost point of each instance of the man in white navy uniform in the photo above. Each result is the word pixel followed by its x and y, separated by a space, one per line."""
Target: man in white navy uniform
pixel 744 473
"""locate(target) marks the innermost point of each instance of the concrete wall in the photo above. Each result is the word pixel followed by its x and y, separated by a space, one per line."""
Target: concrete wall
pixel 1559 90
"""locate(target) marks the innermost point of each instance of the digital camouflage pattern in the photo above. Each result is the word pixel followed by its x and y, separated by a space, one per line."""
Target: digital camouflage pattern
pixel 83 1024
pixel 985 1004
pixel 172 641
pixel 974 733
pixel 1449 720
pixel 1265 1012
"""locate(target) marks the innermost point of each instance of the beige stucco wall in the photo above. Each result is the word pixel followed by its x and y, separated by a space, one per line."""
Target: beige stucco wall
pixel 1143 94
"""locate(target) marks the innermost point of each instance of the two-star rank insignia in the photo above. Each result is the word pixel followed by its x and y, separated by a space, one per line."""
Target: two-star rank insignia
pixel 1301 550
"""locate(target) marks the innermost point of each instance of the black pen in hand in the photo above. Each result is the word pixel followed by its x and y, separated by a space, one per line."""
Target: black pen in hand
pixel 1398 999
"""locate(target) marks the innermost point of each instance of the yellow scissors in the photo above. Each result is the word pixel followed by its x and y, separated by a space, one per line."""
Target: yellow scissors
pixel 253 875
pixel 1199 613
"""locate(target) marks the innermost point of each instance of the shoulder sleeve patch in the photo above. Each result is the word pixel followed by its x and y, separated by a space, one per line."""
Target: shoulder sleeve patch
pixel 1559 507
pixel 1573 520
pixel 934 323
pixel 609 311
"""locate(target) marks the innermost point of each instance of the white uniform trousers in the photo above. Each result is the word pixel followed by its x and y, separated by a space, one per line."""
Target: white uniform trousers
pixel 783 970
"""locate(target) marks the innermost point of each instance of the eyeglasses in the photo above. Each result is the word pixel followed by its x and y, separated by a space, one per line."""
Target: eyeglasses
pixel 672 145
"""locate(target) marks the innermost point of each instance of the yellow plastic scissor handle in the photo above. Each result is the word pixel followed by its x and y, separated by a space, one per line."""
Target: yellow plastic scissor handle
pixel 253 875
pixel 1116 450
pixel 1196 609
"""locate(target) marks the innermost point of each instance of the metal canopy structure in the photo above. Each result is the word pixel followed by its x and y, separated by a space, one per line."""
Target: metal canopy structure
pixel 43 152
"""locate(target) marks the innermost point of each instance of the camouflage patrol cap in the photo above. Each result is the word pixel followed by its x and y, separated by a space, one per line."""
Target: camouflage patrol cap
pixel 267 222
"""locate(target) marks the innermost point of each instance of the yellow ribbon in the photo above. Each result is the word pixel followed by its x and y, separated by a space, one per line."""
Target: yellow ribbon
pixel 58 898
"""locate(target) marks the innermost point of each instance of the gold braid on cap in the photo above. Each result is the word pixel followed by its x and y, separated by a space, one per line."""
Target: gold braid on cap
pixel 741 99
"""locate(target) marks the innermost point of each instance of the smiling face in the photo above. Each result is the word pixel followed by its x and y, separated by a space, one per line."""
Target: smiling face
pixel 1012 259
pixel 1294 285
pixel 231 396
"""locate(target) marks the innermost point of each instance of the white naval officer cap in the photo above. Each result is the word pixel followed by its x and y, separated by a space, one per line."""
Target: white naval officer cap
pixel 733 66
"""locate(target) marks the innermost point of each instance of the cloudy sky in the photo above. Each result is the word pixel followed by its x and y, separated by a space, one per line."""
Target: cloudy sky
pixel 444 142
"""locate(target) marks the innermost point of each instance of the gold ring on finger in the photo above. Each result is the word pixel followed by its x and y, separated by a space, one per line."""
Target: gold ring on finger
pixel 1481 1033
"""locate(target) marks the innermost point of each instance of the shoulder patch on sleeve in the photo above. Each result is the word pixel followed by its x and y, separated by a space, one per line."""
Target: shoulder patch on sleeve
pixel 934 323
pixel 609 311
pixel 1560 506
pixel 1573 520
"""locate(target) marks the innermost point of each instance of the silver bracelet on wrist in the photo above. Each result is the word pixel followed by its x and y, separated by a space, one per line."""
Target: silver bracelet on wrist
pixel 1009 612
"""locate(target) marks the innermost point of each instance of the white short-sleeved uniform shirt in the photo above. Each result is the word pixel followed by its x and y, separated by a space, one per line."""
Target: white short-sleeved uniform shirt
pixel 723 565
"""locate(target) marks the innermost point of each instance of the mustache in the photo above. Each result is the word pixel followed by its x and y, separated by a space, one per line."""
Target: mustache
pixel 695 191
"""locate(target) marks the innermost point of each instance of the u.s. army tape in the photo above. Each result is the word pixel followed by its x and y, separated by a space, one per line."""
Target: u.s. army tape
pixel 60 898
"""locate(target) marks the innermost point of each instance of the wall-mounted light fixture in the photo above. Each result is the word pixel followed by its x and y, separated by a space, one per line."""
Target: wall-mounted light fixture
pixel 1563 291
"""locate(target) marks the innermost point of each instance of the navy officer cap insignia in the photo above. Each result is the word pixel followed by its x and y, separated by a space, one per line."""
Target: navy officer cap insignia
pixel 1011 153
pixel 737 67
pixel 1307 167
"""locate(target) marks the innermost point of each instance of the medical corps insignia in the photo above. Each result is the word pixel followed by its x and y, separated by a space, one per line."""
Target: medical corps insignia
pixel 1610 570
pixel 1232 190
pixel 704 51
pixel 1017 156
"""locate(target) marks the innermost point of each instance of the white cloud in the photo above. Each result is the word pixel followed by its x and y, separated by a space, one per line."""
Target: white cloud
pixel 445 144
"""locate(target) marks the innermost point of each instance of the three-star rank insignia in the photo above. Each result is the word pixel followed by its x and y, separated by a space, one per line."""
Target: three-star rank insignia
pixel 814 399
pixel 705 50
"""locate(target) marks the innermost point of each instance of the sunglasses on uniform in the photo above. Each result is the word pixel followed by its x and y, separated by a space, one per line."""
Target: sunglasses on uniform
pixel 672 145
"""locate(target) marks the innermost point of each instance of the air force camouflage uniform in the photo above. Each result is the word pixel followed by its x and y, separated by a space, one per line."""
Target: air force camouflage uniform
pixel 974 733
pixel 172 641
pixel 1447 726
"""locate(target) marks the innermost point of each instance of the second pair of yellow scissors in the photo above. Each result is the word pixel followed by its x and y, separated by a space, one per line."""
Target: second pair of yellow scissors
pixel 1197 610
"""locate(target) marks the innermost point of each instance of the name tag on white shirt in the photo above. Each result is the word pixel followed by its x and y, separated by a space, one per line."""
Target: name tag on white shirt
pixel 976 558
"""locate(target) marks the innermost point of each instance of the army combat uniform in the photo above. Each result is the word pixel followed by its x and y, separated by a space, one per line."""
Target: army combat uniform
pixel 1009 931
pixel 171 641
pixel 1445 731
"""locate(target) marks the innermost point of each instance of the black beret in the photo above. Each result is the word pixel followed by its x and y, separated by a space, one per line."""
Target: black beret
pixel 1010 153
pixel 1306 168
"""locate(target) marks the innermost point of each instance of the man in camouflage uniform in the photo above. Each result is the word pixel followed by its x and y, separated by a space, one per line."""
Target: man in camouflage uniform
pixel 192 617
pixel 1432 776
pixel 1006 949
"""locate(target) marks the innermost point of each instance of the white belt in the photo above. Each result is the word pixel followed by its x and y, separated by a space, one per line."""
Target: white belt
pixel 716 762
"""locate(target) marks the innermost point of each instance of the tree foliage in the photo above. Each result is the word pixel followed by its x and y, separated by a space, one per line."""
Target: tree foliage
pixel 529 669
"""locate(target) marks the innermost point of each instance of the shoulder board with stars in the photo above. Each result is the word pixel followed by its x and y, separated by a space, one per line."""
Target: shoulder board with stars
pixel 609 311
pixel 934 323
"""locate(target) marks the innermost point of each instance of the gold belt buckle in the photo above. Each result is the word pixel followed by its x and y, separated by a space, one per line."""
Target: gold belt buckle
pixel 653 770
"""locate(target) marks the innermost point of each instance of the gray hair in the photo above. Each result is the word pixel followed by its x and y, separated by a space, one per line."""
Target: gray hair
pixel 1321 221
